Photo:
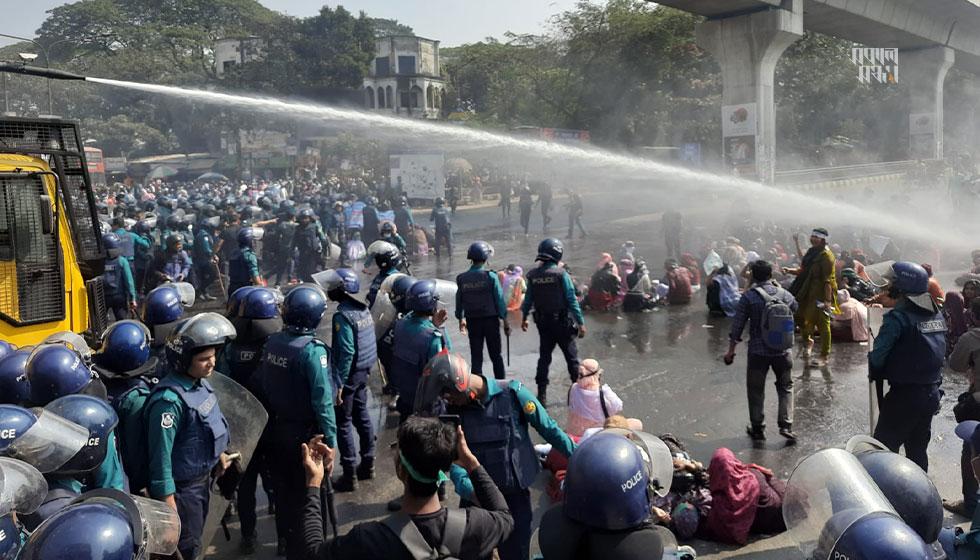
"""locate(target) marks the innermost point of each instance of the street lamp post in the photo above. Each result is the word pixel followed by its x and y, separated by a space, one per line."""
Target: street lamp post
pixel 47 62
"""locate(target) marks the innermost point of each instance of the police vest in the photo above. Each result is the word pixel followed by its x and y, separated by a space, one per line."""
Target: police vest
pixel 203 434
pixel 917 356
pixel 386 345
pixel 547 289
pixel 476 294
pixel 410 355
pixel 238 272
pixel 126 245
pixel 401 219
pixel 112 277
pixel 287 391
pixel 493 435
pixel 365 343
pixel 307 241
pixel 441 218
pixel 243 360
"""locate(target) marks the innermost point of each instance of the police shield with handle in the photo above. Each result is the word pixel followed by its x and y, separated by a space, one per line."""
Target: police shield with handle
pixel 833 510
pixel 909 353
pixel 106 525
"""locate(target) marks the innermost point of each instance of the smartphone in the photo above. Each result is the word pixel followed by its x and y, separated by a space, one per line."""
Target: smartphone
pixel 450 419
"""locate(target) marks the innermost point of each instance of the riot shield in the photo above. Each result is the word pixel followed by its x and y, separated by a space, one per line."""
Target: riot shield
pixel 828 492
pixel 24 487
pixel 246 420
pixel 446 292
pixel 383 311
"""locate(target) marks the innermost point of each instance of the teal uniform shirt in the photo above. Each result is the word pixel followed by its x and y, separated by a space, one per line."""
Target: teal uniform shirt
pixel 121 232
pixel 128 285
pixel 436 343
pixel 498 294
pixel 251 262
pixel 343 347
pixel 142 249
pixel 888 335
pixel 528 407
pixel 204 246
pixel 161 433
pixel 130 429
pixel 315 364
pixel 569 289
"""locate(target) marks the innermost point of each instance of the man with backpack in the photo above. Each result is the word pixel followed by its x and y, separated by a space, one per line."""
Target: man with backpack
pixel 769 310
pixel 423 529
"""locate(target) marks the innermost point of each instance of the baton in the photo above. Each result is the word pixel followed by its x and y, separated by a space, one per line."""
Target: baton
pixel 221 282
pixel 508 350
pixel 327 495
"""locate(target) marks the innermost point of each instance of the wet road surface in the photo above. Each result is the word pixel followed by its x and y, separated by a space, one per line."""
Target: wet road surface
pixel 664 364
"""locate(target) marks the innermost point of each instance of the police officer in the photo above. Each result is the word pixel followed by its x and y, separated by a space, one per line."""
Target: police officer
pixel 371 220
pixel 127 369
pixel 404 220
pixel 309 244
pixel 418 337
pixel 388 264
pixel 117 279
pixel 204 257
pixel 386 340
pixel 444 234
pixel 143 244
pixel 389 233
pixel 172 265
pixel 338 226
pixel 353 353
pixel 127 239
pixel 163 307
pixel 299 395
pixel 187 434
pixel 551 294
pixel 480 306
pixel 908 353
pixel 243 267
pixel 525 203
pixel 495 418
pixel 280 246
pixel 257 319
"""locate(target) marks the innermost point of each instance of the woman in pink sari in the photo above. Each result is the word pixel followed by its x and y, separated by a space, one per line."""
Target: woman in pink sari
pixel 744 499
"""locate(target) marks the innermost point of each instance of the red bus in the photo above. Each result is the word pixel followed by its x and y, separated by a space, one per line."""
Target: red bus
pixel 96 167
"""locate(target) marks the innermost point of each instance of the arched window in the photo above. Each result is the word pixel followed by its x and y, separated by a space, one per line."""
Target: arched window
pixel 430 103
pixel 381 98
pixel 369 97
pixel 418 97
pixel 390 97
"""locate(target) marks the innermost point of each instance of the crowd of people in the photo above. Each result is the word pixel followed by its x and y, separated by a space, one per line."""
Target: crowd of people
pixel 162 410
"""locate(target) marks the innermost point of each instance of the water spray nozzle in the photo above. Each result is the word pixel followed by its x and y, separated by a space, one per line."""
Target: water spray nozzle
pixel 14 68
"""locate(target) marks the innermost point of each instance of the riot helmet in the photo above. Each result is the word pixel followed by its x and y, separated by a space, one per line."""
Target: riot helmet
pixel 191 336
pixel 479 251
pixel 247 236
pixel 422 297
pixel 164 306
pixel 303 308
pixel 440 201
pixel 55 370
pixel 399 293
pixel 338 282
pixel 446 372
pixel 113 244
pixel 96 416
pixel 233 306
pixel 173 222
pixel 911 280
pixel 388 259
pixel 14 388
pixel 258 315
pixel 550 250
pixel 387 228
pixel 606 484
pixel 125 350
pixel 39 437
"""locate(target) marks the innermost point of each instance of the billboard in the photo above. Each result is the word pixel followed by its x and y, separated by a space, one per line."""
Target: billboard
pixel 738 130
pixel 418 173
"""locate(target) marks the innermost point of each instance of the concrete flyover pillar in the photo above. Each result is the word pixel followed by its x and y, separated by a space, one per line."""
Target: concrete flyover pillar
pixel 747 47
pixel 924 70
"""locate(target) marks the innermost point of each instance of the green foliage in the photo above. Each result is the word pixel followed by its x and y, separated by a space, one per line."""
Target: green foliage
pixel 390 28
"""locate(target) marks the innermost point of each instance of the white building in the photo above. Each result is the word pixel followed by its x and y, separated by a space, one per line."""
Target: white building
pixel 405 78
pixel 237 50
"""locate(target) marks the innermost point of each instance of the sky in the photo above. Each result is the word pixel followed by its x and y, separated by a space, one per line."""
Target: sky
pixel 453 22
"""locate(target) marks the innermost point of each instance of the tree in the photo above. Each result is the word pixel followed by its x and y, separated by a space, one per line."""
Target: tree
pixel 390 28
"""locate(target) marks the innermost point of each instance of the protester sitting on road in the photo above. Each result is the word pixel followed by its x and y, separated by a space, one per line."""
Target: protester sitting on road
pixel 678 281
pixel 514 285
pixel 722 293
pixel 685 508
pixel 965 358
pixel 851 324
pixel 744 499
pixel 956 312
pixel 425 450
pixel 604 287
pixel 590 402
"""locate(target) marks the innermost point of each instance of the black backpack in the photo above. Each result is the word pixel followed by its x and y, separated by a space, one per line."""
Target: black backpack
pixel 452 535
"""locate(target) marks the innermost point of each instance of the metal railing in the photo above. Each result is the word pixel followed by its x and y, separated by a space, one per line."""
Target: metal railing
pixel 808 176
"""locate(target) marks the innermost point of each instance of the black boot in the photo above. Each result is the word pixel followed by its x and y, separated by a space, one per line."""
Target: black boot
pixel 365 471
pixel 543 395
pixel 346 482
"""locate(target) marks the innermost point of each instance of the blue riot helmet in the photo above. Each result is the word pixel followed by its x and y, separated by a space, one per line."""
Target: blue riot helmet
pixel 125 350
pixel 55 370
pixel 307 213
pixel 422 296
pixel 14 388
pixel 399 292
pixel 606 484
pixel 387 228
pixel 142 227
pixel 303 308
pixel 106 524
pixel 247 236
pixel 479 251
pixel 906 486
pixel 440 201
pixel 911 280
pixel 113 245
pixel 258 315
pixel 550 250
pixel 173 222
pixel 39 437
pixel 235 300
pixel 164 306
pixel 340 281
pixel 95 415
pixel 191 336
pixel 833 509
pixel 23 487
